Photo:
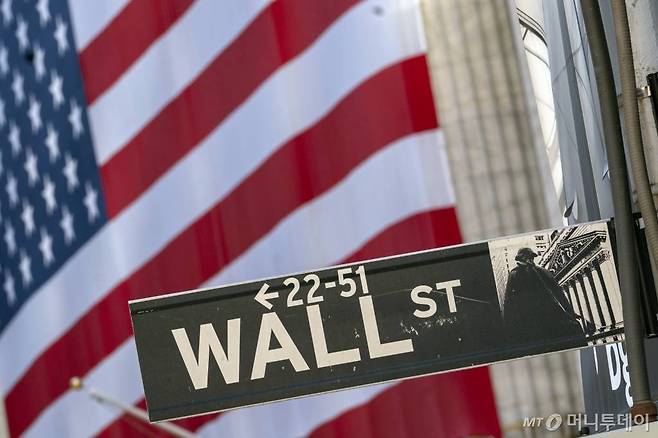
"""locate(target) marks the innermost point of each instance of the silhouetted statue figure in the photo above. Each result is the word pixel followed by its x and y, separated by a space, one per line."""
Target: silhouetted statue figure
pixel 535 306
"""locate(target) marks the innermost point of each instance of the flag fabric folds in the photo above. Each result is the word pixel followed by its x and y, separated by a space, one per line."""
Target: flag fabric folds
pixel 154 146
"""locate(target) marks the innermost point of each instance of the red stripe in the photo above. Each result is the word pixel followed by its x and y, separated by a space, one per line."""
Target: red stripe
pixel 431 229
pixel 125 426
pixel 428 230
pixel 449 405
pixel 278 34
pixel 124 40
pixel 396 102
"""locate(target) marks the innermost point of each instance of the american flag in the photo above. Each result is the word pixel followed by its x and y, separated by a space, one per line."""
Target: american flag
pixel 153 146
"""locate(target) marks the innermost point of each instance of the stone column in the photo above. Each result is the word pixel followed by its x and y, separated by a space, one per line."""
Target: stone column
pixel 565 291
pixel 595 292
pixel 572 283
pixel 497 156
pixel 597 269
pixel 590 314
pixel 487 110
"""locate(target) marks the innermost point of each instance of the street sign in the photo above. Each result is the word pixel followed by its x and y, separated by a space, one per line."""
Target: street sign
pixel 607 383
pixel 604 369
pixel 375 321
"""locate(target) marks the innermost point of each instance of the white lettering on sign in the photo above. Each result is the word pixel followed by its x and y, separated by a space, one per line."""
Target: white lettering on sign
pixel 430 303
pixel 618 369
pixel 614 368
pixel 263 296
pixel 342 280
pixel 270 325
pixel 423 301
pixel 448 285
pixel 229 363
pixel 345 276
pixel 322 356
pixel 375 347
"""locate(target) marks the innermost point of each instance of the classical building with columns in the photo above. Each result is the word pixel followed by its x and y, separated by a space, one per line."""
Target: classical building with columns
pixel 582 262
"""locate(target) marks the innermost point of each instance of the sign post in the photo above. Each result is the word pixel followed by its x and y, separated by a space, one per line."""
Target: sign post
pixel 375 321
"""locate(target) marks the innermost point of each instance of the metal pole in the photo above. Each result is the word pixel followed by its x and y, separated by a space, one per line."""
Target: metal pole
pixel 632 124
pixel 135 412
pixel 628 274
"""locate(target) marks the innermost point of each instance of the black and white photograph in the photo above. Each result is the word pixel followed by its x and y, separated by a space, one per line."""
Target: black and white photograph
pixel 558 281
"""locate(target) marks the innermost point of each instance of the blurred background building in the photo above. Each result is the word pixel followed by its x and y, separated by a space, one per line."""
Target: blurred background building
pixel 520 165
pixel 150 146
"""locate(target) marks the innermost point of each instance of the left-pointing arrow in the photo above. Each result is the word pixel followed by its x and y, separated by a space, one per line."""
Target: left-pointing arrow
pixel 263 296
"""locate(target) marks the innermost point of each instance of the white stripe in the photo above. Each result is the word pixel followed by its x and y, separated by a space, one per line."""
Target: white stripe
pixel 404 179
pixel 165 69
pixel 89 18
pixel 363 43
pixel 291 418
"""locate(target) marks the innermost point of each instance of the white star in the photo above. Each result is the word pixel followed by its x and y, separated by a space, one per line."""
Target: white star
pixel 9 288
pixel 6 11
pixel 10 239
pixel 60 35
pixel 48 194
pixel 67 225
pixel 3 118
pixel 55 88
pixel 12 190
pixel 34 113
pixel 27 216
pixel 51 143
pixel 24 266
pixel 31 167
pixel 75 119
pixel 17 88
pixel 44 12
pixel 21 33
pixel 39 62
pixel 46 248
pixel 14 138
pixel 91 202
pixel 4 62
pixel 71 172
